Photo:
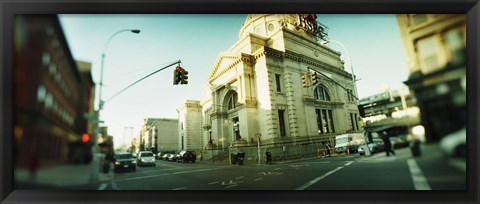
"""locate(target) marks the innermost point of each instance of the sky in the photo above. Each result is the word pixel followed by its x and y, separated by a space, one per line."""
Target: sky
pixel 372 41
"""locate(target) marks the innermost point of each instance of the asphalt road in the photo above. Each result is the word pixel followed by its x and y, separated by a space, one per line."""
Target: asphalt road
pixel 347 172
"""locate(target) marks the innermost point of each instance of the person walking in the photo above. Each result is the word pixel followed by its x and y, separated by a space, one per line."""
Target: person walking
pixel 387 144
pixel 269 157
pixel 327 147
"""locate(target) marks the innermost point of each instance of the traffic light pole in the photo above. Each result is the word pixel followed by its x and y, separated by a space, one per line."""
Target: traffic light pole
pixel 177 62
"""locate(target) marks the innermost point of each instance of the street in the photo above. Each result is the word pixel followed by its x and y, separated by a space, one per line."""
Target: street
pixel 343 172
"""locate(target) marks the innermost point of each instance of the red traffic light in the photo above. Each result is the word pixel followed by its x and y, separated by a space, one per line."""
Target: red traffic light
pixel 85 138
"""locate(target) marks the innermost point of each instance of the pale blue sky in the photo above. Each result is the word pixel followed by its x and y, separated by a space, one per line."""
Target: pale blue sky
pixel 373 42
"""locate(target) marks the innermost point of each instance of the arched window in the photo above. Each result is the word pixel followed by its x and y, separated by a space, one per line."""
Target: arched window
pixel 321 93
pixel 232 101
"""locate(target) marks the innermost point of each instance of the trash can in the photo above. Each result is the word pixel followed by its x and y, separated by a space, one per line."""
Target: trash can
pixel 234 158
pixel 241 157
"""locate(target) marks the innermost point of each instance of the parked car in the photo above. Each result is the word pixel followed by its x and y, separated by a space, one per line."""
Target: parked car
pixel 455 144
pixel 399 141
pixel 375 146
pixel 172 157
pixel 187 156
pixel 124 161
pixel 146 158
pixel 165 157
pixel 158 156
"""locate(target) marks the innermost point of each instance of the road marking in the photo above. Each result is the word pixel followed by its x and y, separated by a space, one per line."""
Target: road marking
pixel 419 180
pixel 102 186
pixel 320 162
pixel 308 184
pixel 459 164
pixel 258 179
pixel 181 188
pixel 212 183
pixel 348 164
pixel 277 169
pixel 165 174
pixel 239 177
pixel 231 186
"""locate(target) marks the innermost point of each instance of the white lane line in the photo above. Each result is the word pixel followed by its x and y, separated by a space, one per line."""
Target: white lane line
pixel 181 188
pixel 258 179
pixel 213 183
pixel 459 164
pixel 240 177
pixel 165 174
pixel 320 162
pixel 231 186
pixel 277 169
pixel 348 164
pixel 308 184
pixel 102 186
pixel 419 180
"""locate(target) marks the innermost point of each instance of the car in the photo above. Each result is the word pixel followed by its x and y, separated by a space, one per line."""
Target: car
pixel 124 161
pixel 455 144
pixel 399 141
pixel 375 146
pixel 165 157
pixel 159 156
pixel 146 158
pixel 187 156
pixel 172 157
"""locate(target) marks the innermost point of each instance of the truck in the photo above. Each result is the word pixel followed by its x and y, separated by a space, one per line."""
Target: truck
pixel 349 141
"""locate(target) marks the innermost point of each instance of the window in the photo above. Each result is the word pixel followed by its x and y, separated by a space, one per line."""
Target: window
pixel 277 80
pixel 427 50
pixel 41 93
pixel 281 121
pixel 325 121
pixel 352 121
pixel 350 94
pixel 320 93
pixel 45 58
pixel 455 43
pixel 418 19
pixel 232 101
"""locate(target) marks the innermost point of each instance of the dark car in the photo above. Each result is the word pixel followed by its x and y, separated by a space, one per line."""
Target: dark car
pixel 124 161
pixel 187 156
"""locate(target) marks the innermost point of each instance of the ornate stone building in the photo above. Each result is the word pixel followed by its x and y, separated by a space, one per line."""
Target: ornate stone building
pixel 257 84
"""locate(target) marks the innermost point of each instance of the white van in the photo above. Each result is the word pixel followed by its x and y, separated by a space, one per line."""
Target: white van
pixel 351 140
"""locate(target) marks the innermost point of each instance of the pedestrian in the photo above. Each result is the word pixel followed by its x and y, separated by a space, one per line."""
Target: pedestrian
pixel 387 144
pixel 327 147
pixel 269 157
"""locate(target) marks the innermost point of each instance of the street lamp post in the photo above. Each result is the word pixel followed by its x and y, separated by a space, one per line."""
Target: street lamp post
pixel 211 145
pixel 349 61
pixel 96 158
pixel 367 150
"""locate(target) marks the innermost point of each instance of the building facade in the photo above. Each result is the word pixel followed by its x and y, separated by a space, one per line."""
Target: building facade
pixel 159 134
pixel 435 48
pixel 255 88
pixel 51 94
pixel 190 134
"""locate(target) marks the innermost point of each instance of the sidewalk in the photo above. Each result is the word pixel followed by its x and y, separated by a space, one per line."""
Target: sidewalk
pixel 60 176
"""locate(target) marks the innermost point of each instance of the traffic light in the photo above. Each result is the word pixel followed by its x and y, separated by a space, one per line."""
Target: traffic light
pixel 85 138
pixel 313 76
pixel 304 80
pixel 177 75
pixel 184 79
